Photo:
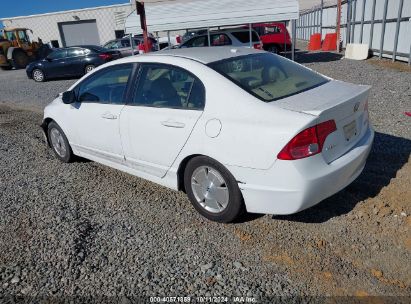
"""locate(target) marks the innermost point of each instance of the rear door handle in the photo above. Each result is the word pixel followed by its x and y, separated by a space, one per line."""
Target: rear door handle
pixel 108 116
pixel 173 124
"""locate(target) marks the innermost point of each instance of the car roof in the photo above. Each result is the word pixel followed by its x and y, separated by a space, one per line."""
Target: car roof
pixel 207 55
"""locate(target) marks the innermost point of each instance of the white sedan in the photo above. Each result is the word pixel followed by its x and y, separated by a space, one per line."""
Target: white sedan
pixel 235 129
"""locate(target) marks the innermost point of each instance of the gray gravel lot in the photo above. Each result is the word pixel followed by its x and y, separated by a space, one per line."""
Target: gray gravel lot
pixel 83 229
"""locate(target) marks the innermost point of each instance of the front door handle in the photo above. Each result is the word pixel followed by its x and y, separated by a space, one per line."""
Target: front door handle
pixel 173 124
pixel 108 116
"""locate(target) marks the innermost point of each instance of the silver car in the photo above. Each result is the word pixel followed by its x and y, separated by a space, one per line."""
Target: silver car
pixel 228 37
pixel 123 45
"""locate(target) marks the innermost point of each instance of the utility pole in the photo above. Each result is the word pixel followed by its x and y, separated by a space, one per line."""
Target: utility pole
pixel 338 25
pixel 142 12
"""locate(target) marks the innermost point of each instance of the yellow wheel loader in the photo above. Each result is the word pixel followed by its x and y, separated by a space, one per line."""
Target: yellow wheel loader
pixel 16 49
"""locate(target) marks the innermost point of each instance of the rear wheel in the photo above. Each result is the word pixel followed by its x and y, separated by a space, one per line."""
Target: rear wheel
pixel 20 59
pixel 89 68
pixel 38 75
pixel 213 190
pixel 59 143
pixel 273 49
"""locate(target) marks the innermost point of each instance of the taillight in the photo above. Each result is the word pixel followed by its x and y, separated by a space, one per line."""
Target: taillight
pixel 258 46
pixel 105 56
pixel 308 142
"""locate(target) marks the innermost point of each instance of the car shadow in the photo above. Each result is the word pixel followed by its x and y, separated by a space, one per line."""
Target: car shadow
pixel 311 57
pixel 389 154
pixel 63 78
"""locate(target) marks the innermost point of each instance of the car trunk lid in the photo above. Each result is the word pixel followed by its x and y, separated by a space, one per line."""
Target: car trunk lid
pixel 342 102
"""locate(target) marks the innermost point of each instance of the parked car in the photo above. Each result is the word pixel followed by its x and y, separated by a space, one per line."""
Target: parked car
pixel 192 33
pixel 125 48
pixel 275 36
pixel 175 41
pixel 273 137
pixel 235 37
pixel 70 62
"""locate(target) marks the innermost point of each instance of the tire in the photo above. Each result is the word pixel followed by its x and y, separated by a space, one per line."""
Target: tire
pixel 201 176
pixel 38 75
pixel 20 59
pixel 89 68
pixel 59 143
pixel 6 68
pixel 273 49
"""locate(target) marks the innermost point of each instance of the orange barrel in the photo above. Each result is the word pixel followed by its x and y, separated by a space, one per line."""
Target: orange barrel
pixel 315 42
pixel 330 42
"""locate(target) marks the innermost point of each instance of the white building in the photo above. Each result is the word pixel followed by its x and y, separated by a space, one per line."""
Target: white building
pixel 83 26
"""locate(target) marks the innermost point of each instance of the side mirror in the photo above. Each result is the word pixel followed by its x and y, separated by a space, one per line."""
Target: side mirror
pixel 48 59
pixel 68 97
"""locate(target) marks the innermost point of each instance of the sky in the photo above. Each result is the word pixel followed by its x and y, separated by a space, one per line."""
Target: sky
pixel 12 8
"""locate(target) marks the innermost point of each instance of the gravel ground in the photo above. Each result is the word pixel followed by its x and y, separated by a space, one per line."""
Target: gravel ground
pixel 83 229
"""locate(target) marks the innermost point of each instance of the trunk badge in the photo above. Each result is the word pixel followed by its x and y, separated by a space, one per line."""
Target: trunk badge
pixel 356 107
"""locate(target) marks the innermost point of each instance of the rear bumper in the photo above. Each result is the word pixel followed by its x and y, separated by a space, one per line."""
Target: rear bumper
pixel 292 186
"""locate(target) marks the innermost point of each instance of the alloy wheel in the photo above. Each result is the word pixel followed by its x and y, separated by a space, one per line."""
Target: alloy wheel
pixel 57 142
pixel 89 68
pixel 38 75
pixel 210 189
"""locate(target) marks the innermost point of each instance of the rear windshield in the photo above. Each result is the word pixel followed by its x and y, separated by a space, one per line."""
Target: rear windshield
pixel 98 49
pixel 267 76
pixel 244 36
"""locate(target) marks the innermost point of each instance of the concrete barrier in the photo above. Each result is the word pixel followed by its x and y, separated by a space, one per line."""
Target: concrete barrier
pixel 356 51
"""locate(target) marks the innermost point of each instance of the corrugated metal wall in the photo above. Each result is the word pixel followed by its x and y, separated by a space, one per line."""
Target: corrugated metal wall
pixel 385 25
pixel 171 16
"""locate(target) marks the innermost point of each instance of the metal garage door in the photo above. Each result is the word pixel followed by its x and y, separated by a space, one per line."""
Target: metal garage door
pixel 79 32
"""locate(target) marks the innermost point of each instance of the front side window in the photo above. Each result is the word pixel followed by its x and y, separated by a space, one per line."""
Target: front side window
pixel 58 54
pixel 169 87
pixel 267 76
pixel 107 86
pixel 197 42
pixel 10 36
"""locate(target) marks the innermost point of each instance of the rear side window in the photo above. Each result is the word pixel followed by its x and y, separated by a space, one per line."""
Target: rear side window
pixel 267 76
pixel 75 52
pixel 107 86
pixel 166 86
pixel 219 40
pixel 244 36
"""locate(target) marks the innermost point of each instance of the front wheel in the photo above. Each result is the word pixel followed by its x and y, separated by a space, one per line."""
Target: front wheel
pixel 20 59
pixel 38 75
pixel 213 190
pixel 59 143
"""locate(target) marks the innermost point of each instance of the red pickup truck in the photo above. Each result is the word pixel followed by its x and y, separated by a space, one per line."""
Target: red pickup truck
pixel 275 36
